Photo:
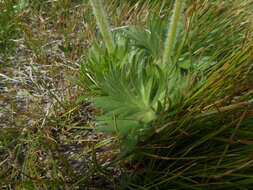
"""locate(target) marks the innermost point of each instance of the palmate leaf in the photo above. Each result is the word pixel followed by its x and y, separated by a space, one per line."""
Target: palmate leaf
pixel 150 39
pixel 129 100
pixel 131 96
pixel 187 56
pixel 98 61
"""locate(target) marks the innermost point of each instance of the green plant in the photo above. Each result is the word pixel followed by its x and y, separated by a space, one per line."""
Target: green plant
pixel 134 87
pixel 166 113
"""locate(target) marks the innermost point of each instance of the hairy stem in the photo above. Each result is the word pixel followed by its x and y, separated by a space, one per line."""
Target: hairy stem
pixel 102 23
pixel 172 31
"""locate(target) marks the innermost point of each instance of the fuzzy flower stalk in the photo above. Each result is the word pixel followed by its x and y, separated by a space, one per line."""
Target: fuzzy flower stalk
pixel 172 31
pixel 102 23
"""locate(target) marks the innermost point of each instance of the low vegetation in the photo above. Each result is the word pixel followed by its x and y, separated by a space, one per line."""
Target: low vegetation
pixel 126 94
